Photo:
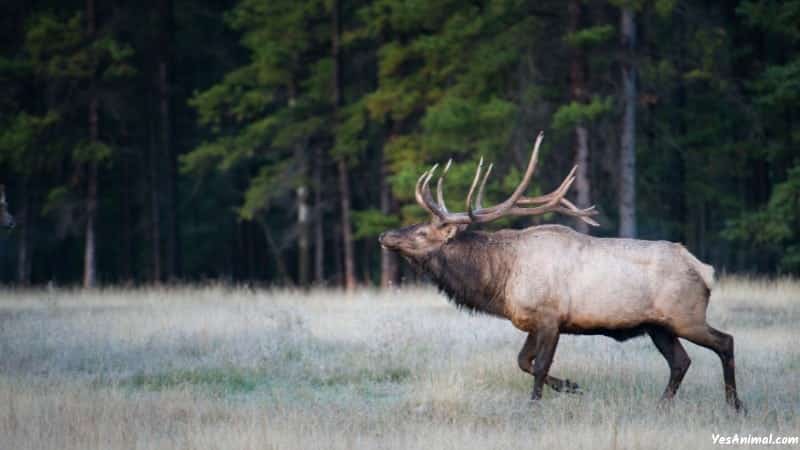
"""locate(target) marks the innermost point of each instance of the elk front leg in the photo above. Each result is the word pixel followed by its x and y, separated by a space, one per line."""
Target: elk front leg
pixel 525 361
pixel 546 342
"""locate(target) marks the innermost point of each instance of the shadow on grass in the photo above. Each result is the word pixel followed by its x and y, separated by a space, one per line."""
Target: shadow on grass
pixel 220 380
pixel 233 380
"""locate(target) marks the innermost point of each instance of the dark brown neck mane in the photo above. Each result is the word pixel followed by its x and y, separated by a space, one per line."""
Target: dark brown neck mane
pixel 471 270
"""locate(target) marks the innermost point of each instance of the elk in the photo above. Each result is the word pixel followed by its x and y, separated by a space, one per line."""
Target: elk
pixel 550 280
pixel 6 219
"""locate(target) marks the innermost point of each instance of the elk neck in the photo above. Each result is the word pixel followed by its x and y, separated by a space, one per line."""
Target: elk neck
pixel 472 270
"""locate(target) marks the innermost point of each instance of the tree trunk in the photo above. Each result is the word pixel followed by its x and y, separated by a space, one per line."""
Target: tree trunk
pixel 24 241
pixel 155 208
pixel 579 94
pixel 302 236
pixel 319 235
pixel 582 183
pixel 280 266
pixel 251 251
pixel 627 170
pixel 344 183
pixel 172 254
pixel 126 252
pixel 337 252
pixel 366 257
pixel 389 267
pixel 90 250
pixel 347 234
pixel 90 246
pixel 680 166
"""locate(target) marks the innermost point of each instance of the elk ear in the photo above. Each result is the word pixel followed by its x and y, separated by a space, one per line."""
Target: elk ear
pixel 450 231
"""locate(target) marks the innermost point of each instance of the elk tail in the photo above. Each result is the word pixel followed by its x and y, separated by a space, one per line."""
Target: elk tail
pixel 705 271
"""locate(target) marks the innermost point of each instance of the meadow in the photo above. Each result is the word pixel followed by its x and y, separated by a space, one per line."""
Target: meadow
pixel 220 367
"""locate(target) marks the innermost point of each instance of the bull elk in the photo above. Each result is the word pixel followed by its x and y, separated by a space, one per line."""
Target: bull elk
pixel 549 280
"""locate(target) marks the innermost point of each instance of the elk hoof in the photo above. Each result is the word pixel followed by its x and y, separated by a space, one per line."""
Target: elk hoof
pixel 565 386
pixel 664 403
pixel 572 387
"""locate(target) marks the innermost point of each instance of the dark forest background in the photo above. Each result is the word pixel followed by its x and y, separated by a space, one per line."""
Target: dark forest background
pixel 272 140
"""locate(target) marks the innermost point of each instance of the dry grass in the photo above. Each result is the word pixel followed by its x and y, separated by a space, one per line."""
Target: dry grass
pixel 227 368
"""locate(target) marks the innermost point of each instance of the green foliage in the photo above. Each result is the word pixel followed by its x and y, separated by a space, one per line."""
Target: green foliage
pixel 708 46
pixel 635 5
pixel 779 86
pixel 450 85
pixel 21 140
pixel 776 16
pixel 573 113
pixel 349 134
pixel 422 81
pixel 271 182
pixel 459 124
pixel 591 36
pixel 263 114
pixel 372 222
pixel 664 8
pixel 777 225
pixel 87 151
pixel 56 198
pixel 56 47
pixel 58 59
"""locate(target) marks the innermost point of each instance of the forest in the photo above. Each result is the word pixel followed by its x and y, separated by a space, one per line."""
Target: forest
pixel 271 141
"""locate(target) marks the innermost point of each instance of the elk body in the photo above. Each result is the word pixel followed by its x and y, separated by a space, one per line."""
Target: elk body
pixel 550 280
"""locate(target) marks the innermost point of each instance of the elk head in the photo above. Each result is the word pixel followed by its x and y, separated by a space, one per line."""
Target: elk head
pixel 417 241
pixel 6 219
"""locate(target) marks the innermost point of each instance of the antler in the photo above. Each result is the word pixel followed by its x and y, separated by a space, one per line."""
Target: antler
pixel 514 205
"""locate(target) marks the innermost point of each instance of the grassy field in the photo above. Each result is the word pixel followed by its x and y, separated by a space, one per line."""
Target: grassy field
pixel 202 368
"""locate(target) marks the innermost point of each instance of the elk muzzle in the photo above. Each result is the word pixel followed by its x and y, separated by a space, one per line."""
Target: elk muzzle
pixel 386 239
pixel 399 239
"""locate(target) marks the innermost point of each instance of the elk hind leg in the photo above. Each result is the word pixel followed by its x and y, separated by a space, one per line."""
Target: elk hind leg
pixel 722 344
pixel 670 347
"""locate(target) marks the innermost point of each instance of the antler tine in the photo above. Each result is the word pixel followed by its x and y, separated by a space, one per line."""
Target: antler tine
pixel 479 197
pixel 499 210
pixel 568 209
pixel 549 202
pixel 473 186
pixel 556 196
pixel 559 193
pixel 427 197
pixel 418 192
pixel 548 197
pixel 582 214
pixel 513 205
pixel 439 193
pixel 426 190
